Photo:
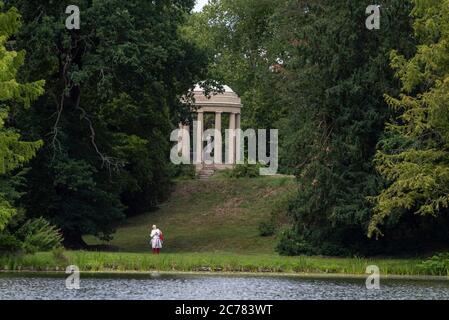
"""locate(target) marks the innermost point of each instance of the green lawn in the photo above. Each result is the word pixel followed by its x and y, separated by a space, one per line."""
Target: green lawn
pixel 218 215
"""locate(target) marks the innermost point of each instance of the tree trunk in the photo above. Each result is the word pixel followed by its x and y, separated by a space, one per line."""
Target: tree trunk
pixel 74 241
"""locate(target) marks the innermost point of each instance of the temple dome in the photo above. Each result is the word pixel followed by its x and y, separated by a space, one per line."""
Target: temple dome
pixel 226 99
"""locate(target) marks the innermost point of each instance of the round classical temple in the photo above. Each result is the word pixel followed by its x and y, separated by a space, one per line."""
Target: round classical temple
pixel 226 102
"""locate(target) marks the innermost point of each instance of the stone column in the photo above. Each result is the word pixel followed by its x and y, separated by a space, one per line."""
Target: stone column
pixel 232 138
pixel 218 157
pixel 180 139
pixel 199 138
pixel 237 138
pixel 186 143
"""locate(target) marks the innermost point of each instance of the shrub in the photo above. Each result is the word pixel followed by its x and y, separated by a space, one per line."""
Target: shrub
pixel 267 228
pixel 245 171
pixel 58 255
pixel 279 214
pixel 184 172
pixel 329 248
pixel 437 265
pixel 9 243
pixel 39 235
pixel 292 244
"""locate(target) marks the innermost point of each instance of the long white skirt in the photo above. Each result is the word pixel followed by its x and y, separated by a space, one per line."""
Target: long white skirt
pixel 156 243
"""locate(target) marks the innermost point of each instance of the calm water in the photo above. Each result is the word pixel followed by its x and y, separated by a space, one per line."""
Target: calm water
pixel 189 287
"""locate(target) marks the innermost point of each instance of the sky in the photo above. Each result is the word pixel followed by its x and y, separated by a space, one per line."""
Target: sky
pixel 200 4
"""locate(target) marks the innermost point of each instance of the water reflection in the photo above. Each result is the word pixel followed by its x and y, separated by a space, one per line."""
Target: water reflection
pixel 193 287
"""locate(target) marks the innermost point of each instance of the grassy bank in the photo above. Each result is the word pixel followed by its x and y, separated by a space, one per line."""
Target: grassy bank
pixel 207 262
pixel 211 226
pixel 208 216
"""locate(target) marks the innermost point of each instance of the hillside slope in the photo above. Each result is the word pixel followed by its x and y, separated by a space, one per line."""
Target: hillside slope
pixel 218 215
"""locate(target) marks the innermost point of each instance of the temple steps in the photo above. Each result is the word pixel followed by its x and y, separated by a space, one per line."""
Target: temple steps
pixel 206 173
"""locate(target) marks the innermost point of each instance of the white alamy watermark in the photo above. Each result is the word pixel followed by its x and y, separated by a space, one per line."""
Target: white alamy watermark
pixel 373 20
pixel 73 21
pixel 72 282
pixel 373 280
pixel 208 148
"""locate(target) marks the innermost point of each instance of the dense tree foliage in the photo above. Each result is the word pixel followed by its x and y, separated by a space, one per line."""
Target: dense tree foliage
pixel 313 70
pixel 112 97
pixel 362 114
pixel 14 153
pixel 239 35
pixel 413 155
pixel 16 231
pixel 338 73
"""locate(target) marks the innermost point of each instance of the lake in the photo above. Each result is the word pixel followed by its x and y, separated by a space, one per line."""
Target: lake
pixel 213 287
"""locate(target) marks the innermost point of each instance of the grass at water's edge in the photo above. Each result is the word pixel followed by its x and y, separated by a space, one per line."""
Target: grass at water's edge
pixel 208 262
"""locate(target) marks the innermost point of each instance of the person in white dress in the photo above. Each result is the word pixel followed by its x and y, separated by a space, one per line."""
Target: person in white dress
pixel 156 241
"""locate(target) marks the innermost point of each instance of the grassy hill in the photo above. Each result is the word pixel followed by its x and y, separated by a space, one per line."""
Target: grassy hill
pixel 210 226
pixel 217 215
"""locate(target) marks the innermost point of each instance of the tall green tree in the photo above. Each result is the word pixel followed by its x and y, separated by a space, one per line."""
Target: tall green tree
pixel 239 35
pixel 14 152
pixel 414 155
pixel 336 73
pixel 113 97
